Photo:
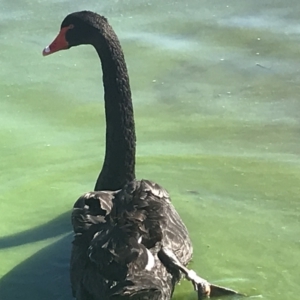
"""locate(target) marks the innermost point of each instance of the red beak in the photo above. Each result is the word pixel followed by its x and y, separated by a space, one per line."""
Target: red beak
pixel 59 43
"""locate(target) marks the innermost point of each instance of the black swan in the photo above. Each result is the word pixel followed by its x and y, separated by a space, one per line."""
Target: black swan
pixel 130 242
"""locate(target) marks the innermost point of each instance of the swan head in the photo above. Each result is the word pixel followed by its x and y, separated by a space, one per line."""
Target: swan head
pixel 77 29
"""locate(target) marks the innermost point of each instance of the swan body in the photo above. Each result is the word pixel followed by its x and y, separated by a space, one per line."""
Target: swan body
pixel 118 238
pixel 121 227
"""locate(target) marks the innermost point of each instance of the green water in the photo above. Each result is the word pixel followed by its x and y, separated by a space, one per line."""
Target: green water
pixel 216 89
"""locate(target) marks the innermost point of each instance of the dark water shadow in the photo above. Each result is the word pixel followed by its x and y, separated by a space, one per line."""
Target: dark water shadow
pixel 53 228
pixel 43 276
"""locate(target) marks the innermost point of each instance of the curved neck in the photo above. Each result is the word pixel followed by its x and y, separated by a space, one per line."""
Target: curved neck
pixel 119 163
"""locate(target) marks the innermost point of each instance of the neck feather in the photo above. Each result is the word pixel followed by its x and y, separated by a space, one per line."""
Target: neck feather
pixel 119 163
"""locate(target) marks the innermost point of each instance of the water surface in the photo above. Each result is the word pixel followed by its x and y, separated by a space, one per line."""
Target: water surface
pixel 215 87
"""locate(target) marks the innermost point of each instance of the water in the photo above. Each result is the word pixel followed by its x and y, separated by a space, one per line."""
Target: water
pixel 215 86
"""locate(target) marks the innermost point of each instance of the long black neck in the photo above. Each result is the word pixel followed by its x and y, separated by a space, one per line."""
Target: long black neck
pixel 119 163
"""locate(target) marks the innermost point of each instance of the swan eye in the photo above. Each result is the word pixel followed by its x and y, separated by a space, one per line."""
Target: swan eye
pixel 71 26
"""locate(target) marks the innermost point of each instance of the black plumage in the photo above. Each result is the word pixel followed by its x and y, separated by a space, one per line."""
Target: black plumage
pixel 112 251
pixel 122 226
